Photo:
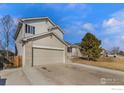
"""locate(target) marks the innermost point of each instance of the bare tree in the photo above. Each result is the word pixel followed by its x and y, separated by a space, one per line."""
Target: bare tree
pixel 7 24
pixel 1 45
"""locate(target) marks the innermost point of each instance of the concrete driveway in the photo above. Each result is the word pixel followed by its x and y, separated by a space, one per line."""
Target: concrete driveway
pixel 75 74
pixel 63 74
pixel 14 77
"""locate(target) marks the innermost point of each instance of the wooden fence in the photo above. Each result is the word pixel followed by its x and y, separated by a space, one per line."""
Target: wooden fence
pixel 16 61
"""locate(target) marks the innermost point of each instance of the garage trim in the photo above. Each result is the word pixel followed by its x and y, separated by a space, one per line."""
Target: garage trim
pixel 47 47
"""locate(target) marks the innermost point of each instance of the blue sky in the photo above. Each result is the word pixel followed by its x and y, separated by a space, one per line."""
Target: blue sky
pixel 106 21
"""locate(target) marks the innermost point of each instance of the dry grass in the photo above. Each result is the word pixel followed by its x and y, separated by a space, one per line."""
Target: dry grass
pixel 117 64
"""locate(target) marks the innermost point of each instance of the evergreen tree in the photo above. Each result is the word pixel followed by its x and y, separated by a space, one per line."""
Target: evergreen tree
pixel 90 46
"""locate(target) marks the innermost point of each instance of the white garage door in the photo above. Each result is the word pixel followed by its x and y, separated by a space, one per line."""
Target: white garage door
pixel 47 56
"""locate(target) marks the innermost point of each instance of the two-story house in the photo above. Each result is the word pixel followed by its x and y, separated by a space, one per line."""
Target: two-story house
pixel 39 41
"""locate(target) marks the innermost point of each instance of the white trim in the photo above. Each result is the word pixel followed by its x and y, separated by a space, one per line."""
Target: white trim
pixel 47 47
pixel 43 34
pixel 38 18
pixel 23 56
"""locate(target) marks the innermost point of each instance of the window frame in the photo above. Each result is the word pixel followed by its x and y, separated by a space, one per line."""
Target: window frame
pixel 69 49
pixel 29 29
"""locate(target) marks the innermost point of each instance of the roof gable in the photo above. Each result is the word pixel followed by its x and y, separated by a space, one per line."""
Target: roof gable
pixel 43 35
pixel 34 19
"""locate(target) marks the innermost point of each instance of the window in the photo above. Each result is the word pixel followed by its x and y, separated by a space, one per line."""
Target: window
pixel 26 29
pixel 29 29
pixel 69 49
pixel 33 30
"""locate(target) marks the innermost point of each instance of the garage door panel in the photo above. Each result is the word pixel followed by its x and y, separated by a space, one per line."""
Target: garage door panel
pixel 47 56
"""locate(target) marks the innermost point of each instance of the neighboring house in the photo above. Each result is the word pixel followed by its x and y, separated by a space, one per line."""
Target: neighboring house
pixel 106 53
pixel 40 41
pixel 74 51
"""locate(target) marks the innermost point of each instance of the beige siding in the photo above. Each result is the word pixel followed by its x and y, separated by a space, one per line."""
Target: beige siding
pixel 18 41
pixel 65 55
pixel 41 26
pixel 50 41
pixel 49 24
pixel 47 56
pixel 27 54
pixel 76 52
pixel 54 51
pixel 58 33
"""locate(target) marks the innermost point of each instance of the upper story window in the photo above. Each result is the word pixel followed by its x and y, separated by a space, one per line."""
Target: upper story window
pixel 29 29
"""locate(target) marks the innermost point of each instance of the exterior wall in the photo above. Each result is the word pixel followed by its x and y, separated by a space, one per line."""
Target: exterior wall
pixel 49 41
pixel 52 42
pixel 75 52
pixel 41 26
pixel 27 54
pixel 58 33
pixel 79 53
pixel 67 59
pixel 49 24
pixel 18 41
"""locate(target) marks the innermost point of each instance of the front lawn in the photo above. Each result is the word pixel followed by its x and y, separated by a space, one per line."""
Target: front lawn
pixel 116 64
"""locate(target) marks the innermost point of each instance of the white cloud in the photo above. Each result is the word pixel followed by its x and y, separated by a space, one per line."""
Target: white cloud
pixel 76 31
pixel 69 11
pixel 122 37
pixel 88 27
pixel 118 15
pixel 115 24
pixel 74 27
pixel 113 30
pixel 110 43
pixel 79 28
pixel 73 22
pixel 111 22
